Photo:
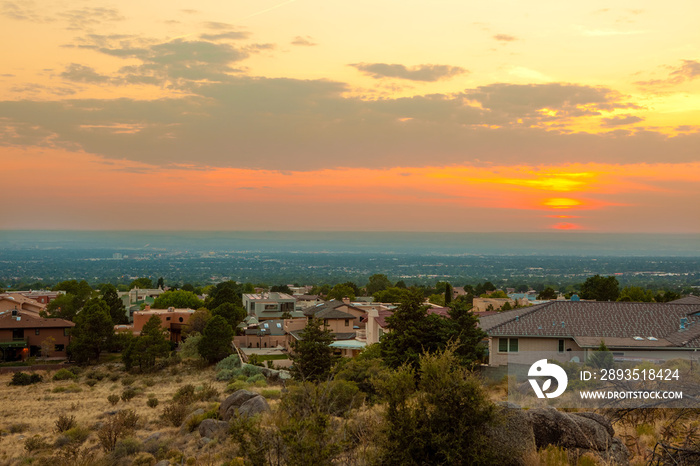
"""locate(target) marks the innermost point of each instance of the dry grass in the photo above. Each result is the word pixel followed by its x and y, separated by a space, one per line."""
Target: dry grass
pixel 37 407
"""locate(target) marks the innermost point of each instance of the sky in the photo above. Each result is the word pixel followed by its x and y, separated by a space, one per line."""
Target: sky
pixel 403 115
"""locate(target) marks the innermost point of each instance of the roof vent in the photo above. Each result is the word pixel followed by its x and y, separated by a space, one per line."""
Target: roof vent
pixel 684 323
pixel 563 324
pixel 652 339
pixel 638 338
pixel 517 318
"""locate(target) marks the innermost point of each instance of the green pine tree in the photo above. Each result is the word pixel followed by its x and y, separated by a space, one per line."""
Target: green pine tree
pixel 216 340
pixel 312 354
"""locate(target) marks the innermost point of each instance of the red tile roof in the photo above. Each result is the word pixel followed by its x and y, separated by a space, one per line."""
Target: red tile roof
pixel 30 320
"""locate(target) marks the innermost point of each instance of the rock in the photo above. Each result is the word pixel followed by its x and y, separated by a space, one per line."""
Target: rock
pixel 254 406
pixel 154 437
pixel 228 408
pixel 212 428
pixel 275 375
pixel 512 433
pixel 569 430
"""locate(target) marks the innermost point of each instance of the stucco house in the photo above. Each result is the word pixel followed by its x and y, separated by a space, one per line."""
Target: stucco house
pixel 22 334
pixel 565 327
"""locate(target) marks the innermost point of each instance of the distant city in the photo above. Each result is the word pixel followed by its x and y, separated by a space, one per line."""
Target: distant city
pixel 538 260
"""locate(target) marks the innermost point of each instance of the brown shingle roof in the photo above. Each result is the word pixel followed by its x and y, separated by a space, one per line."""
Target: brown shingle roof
pixel 29 320
pixel 687 300
pixel 600 319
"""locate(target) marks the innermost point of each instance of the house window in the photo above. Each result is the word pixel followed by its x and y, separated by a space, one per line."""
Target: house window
pixel 66 332
pixel 561 346
pixel 167 318
pixel 507 345
pixel 59 348
pixel 36 332
pixel 347 322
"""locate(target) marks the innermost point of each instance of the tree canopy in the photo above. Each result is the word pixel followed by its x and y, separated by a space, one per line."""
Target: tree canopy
pixel 116 306
pixel 312 355
pixel 92 331
pixel 216 340
pixel 143 283
pixel 234 314
pixel 179 299
pixel 600 288
pixel 341 291
pixel 377 282
pixel 145 349
pixel 547 293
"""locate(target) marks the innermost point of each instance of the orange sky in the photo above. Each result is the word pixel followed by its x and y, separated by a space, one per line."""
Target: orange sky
pixel 305 115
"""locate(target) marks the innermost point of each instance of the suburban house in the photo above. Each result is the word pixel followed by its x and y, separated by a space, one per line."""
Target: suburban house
pixel 307 300
pixel 564 327
pixel 22 334
pixel 40 296
pixel 10 301
pixel 266 334
pixel 347 322
pixel 270 305
pixel 173 320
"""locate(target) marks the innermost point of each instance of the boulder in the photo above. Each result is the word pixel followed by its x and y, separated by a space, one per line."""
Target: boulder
pixel 512 433
pixel 254 406
pixel 570 430
pixel 212 428
pixel 228 408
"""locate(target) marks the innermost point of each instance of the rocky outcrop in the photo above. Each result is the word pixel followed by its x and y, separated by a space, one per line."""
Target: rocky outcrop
pixel 512 433
pixel 256 405
pixel 517 432
pixel 242 403
pixel 212 428
pixel 230 405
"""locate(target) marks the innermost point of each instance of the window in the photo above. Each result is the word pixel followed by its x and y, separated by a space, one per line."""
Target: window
pixel 507 345
pixel 36 332
pixel 66 332
pixel 561 346
pixel 59 348
pixel 347 322
pixel 167 318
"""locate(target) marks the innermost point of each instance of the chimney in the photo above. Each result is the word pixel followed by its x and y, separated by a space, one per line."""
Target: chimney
pixel 171 309
pixel 346 300
pixel 147 308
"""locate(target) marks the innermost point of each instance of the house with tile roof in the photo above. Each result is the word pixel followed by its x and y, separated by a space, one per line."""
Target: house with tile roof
pixel 563 328
pixel 23 332
pixel 10 301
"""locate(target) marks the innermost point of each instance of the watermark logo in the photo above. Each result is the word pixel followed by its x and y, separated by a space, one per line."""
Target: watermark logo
pixel 542 368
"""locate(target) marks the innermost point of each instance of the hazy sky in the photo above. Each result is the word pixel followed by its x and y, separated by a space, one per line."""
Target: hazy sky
pixel 334 115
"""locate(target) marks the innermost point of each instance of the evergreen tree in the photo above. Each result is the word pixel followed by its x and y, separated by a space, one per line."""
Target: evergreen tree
pixel 448 294
pixel 92 331
pixel 145 349
pixel 312 354
pixel 234 314
pixel 413 331
pixel 216 340
pixel 116 306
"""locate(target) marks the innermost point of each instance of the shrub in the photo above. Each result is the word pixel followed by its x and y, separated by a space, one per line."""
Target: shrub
pixel 175 413
pixel 113 399
pixel 115 428
pixel 271 394
pixel 226 374
pixel 189 347
pixel 77 434
pixel 128 380
pixel 64 374
pixel 96 375
pixel 185 394
pixel 207 392
pixel 235 386
pixel 65 422
pixel 128 394
pixel 152 402
pixel 194 421
pixel 35 443
pixel 72 388
pixel 91 382
pixel 114 377
pixel 18 427
pixel 231 362
pixel 144 459
pixel 255 378
pixel 126 447
pixel 22 378
pixel 250 371
pixel 149 382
